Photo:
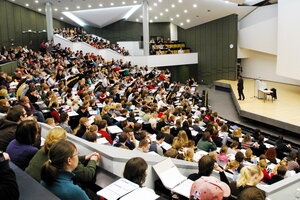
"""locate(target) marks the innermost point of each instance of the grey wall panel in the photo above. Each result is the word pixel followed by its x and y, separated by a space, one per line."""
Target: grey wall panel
pixel 216 59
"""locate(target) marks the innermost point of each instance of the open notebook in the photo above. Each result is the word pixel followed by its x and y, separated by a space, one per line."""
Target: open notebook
pixel 172 178
pixel 124 189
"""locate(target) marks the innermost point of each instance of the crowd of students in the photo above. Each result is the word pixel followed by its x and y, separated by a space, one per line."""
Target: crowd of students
pixel 154 115
pixel 79 35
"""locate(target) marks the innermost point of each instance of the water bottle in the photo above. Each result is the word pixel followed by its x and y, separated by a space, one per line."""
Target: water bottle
pixel 98 112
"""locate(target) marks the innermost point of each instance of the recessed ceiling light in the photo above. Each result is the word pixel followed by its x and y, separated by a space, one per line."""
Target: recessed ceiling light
pixel 167 10
pixel 12 0
pixel 159 0
pixel 134 1
pixel 151 20
pixel 26 4
pixel 177 15
pixel 66 8
pixel 141 16
pixel 150 8
pixel 155 17
pixel 181 24
pixel 40 10
pixel 123 2
pixel 195 5
pixel 100 4
pixel 89 6
pixel 137 20
pixel 155 4
pixel 179 1
pixel 226 1
pixel 36 1
pixel 188 21
pixel 173 6
pixel 185 11
pixel 61 18
pixel 55 9
pixel 78 7
pixel 112 4
pixel 161 14
pixel 171 19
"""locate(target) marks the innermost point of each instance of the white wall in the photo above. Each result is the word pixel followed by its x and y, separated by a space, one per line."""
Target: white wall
pixel 132 46
pixel 263 66
pixel 288 60
pixel 173 32
pixel 258 45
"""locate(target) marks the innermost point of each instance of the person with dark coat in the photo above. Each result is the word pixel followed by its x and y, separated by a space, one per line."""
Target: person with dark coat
pixel 8 125
pixel 240 86
pixel 8 184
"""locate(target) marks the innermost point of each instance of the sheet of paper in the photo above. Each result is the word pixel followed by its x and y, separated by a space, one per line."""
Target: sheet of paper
pixel 141 193
pixel 114 129
pixel 166 146
pixel 171 177
pixel 102 140
pixel 117 189
pixel 184 188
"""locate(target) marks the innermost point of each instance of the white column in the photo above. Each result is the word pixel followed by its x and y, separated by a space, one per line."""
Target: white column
pixel 146 27
pixel 49 20
pixel 173 32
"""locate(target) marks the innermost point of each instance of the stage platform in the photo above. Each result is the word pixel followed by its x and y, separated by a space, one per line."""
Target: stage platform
pixel 282 113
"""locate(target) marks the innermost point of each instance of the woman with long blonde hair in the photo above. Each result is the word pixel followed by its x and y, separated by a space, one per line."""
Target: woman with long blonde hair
pixel 250 176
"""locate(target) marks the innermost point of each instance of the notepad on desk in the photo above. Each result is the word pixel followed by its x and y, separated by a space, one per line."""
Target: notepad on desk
pixel 140 193
pixel 118 189
pixel 172 179
pixel 114 129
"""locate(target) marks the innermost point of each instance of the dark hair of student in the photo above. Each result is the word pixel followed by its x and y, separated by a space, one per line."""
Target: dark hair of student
pixel 135 170
pixel 64 116
pixel 206 165
pixel 58 155
pixel 15 113
pixel 26 132
pixel 252 193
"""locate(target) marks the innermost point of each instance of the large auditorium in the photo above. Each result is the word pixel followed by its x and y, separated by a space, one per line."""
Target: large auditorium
pixel 149 99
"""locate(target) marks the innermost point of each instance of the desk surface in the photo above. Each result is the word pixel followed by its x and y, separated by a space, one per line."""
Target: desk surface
pixel 30 188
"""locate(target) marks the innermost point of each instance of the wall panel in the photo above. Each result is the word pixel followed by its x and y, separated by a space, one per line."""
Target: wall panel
pixel 216 59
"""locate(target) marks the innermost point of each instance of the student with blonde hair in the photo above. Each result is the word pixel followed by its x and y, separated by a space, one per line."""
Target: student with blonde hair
pixel 232 166
pixel 82 127
pixel 189 155
pixel 250 176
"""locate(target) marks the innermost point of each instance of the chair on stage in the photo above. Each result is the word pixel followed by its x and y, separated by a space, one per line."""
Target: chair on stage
pixel 273 94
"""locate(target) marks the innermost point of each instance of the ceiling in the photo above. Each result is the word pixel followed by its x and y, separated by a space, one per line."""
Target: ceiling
pixel 183 13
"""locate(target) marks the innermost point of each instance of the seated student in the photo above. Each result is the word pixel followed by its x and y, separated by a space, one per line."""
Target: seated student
pixel 249 156
pixel 102 125
pixel 82 127
pixel 64 119
pixel 249 177
pixel 54 112
pixel 271 155
pixel 206 143
pixel 50 122
pixel 224 133
pixel 155 146
pixel 135 170
pixel 232 166
pixel 189 155
pixel 143 146
pixel 292 161
pixel 20 149
pixel 239 157
pixel 92 137
pixel 263 165
pixel 233 147
pixel 281 171
pixel 57 172
pixel 93 129
pixel 206 165
pixel 4 106
pixel 125 139
pixel 252 193
pixel 209 188
pixel 222 157
pixel 8 185
pixel 247 142
pixel 172 153
pixel 259 147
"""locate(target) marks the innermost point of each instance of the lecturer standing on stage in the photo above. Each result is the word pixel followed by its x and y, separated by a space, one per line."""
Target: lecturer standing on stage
pixel 240 86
